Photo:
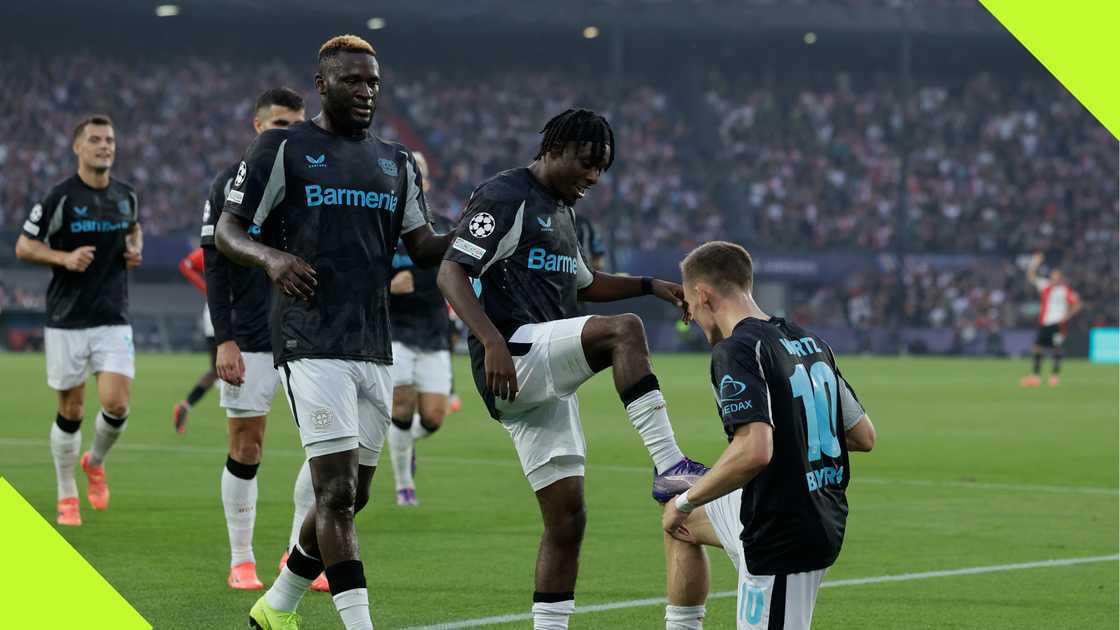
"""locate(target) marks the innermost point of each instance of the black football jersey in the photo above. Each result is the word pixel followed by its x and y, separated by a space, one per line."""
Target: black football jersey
pixel 241 311
pixel 340 203
pixel 420 318
pixel 794 512
pixel 74 215
pixel 520 242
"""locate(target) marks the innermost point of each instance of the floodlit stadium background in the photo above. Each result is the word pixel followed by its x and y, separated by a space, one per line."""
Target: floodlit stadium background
pixel 892 165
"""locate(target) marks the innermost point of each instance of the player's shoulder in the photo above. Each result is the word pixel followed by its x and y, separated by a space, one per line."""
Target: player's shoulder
pixel 508 188
pixel 122 186
pixel 67 186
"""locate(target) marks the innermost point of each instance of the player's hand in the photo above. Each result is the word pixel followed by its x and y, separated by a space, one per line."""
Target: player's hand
pixel 79 259
pixel 229 364
pixel 133 256
pixel 1037 259
pixel 501 375
pixel 672 293
pixel 402 284
pixel 293 276
pixel 672 521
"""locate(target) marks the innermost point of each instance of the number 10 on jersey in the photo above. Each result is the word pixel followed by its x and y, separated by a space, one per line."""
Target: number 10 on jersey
pixel 817 390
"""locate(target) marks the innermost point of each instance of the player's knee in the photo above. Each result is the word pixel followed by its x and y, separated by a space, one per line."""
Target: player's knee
pixel 567 527
pixel 431 420
pixel 246 451
pixel 115 407
pixel 71 410
pixel 337 496
pixel 629 330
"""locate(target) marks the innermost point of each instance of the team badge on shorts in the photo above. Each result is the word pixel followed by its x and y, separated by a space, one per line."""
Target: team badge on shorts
pixel 321 419
pixel 482 225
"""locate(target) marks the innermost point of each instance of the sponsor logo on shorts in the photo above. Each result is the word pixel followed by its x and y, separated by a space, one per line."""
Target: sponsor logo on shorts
pixel 469 248
pixel 321 419
pixel 233 391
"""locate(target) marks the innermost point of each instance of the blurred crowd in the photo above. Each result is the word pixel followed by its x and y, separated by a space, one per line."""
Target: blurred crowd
pixel 997 167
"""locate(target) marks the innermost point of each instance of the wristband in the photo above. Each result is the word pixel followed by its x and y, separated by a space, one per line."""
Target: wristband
pixel 647 285
pixel 683 504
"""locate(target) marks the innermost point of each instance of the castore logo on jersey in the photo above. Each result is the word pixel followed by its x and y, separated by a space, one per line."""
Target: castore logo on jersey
pixel 316 162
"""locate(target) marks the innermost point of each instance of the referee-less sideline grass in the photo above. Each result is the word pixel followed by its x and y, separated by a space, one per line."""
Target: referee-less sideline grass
pixel 964 426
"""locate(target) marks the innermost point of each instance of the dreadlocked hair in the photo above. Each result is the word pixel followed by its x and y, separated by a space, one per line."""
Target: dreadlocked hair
pixel 579 126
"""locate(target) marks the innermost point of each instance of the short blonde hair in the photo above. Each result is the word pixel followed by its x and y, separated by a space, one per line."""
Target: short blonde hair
pixel 344 43
pixel 726 266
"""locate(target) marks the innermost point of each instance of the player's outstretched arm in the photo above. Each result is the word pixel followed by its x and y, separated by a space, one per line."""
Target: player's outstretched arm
pixel 607 287
pixel 501 376
pixel 425 247
pixel 748 454
pixel 39 253
pixel 293 276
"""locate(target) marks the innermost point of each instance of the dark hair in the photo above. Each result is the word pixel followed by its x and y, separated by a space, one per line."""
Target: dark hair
pixel 340 44
pixel 726 266
pixel 93 119
pixel 579 126
pixel 282 96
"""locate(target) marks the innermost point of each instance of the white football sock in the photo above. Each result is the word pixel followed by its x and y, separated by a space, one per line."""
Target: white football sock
pixel 650 417
pixel 104 437
pixel 353 607
pixel 286 591
pixel 684 617
pixel 239 497
pixel 552 615
pixel 419 431
pixel 303 496
pixel 400 452
pixel 65 448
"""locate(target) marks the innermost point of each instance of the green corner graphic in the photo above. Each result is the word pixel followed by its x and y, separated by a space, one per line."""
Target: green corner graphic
pixel 48 584
pixel 1078 41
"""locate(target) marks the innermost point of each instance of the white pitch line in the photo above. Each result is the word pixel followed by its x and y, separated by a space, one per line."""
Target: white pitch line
pixel 881 579
pixel 186 449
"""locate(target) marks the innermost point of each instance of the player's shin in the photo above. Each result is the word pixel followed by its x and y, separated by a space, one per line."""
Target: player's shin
pixel 348 590
pixel 294 580
pixel 684 617
pixel 109 428
pixel 401 443
pixel 239 498
pixel 646 407
pixel 66 442
pixel 552 610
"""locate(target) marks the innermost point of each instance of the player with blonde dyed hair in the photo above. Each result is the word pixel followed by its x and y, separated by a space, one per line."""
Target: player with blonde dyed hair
pixel 331 201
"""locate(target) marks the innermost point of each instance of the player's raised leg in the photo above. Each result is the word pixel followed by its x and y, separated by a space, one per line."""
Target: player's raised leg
pixel 619 342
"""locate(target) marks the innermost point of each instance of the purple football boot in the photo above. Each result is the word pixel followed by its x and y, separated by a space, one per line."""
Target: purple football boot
pixel 677 479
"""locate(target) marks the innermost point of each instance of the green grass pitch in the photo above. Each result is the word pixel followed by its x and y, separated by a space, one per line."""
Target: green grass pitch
pixel 970 471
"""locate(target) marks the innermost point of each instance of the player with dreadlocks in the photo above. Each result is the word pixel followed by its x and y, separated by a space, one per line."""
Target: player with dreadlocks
pixel 530 349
